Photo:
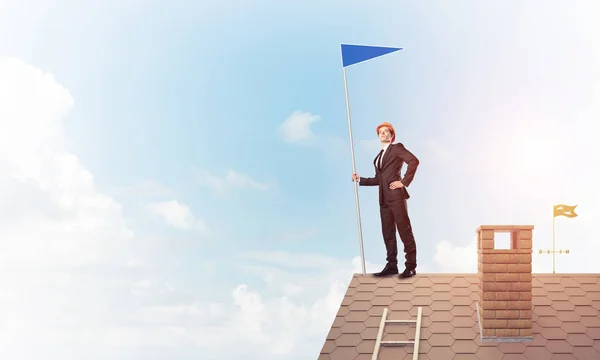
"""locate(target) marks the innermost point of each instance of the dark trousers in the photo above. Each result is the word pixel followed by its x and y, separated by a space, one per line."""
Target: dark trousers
pixel 395 215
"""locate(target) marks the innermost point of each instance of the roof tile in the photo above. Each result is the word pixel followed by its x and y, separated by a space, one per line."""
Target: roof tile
pixel 353 328
pixel 441 306
pixel 563 305
pixel 441 340
pixel 422 291
pixel 559 347
pixel 347 300
pixel 563 357
pixel 459 282
pixel 462 301
pixel 575 292
pixel 570 282
pixel 554 334
pixel 512 348
pixel 590 321
pixel 401 306
pixel 363 357
pixel 348 340
pixel 441 327
pixel 441 287
pixel 512 357
pixel 334 333
pixel 585 353
pixel 344 310
pixel 421 301
pixel 366 287
pixel 363 296
pixel 581 300
pixel 544 311
pixel 400 329
pixel 464 347
pixel 567 317
pixel 573 327
pixel 593 333
pixel 461 310
pixel 401 295
pixel 328 347
pixel 385 291
pixel 463 334
pixel 438 316
pixel 548 321
pixel 366 347
pixel 357 316
pixel 344 352
pixel 376 310
pixel 579 340
pixel 441 296
pixel 392 353
pixel 489 353
pixel 462 321
pixel 360 305
pixel 537 353
pixel 423 282
pixel 550 288
pixel 369 333
pixel 441 279
pixel 440 352
pixel 558 296
pixel 586 311
pixel 461 291
pixel 382 301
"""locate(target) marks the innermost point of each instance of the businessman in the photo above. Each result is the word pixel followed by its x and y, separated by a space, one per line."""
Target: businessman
pixel 392 199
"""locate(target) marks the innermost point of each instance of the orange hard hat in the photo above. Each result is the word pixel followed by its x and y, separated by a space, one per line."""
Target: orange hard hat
pixel 388 125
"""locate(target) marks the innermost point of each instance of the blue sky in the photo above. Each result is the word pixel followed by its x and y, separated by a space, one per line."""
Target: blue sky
pixel 180 174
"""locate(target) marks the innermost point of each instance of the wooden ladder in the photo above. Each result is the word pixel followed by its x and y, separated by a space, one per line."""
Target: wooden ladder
pixel 385 321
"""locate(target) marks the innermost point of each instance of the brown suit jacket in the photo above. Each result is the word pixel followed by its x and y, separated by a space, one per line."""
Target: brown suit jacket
pixel 391 170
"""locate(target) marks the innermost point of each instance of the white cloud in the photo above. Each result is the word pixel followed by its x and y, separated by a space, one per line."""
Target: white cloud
pixel 451 258
pixel 176 214
pixel 290 318
pixel 296 128
pixel 233 180
pixel 67 260
pixel 51 212
pixel 146 189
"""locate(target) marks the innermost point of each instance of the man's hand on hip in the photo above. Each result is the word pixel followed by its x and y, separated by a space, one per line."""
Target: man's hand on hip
pixel 396 185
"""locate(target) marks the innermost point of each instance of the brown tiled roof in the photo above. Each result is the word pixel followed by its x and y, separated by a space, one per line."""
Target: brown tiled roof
pixel 565 319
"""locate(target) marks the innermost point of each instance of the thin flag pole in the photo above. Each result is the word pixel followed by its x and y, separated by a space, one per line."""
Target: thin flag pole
pixel 360 237
pixel 553 243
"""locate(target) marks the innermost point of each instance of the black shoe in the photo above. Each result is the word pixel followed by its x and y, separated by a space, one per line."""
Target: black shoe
pixel 387 270
pixel 408 273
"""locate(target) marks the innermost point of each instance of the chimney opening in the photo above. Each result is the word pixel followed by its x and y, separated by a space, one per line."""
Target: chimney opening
pixel 502 240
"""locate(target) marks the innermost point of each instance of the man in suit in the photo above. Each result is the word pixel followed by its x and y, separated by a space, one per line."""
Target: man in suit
pixel 392 199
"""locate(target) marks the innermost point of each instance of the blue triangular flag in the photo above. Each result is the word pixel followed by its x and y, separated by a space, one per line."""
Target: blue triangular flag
pixel 353 54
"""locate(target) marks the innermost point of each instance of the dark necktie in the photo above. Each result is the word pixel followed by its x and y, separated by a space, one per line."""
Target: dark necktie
pixel 379 159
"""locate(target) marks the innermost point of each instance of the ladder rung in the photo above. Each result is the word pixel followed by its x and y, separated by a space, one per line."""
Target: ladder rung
pixel 401 321
pixel 398 342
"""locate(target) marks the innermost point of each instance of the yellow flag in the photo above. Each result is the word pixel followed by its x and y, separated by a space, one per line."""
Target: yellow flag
pixel 565 210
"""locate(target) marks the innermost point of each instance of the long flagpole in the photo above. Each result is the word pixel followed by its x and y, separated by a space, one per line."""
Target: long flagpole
pixel 360 238
pixel 553 243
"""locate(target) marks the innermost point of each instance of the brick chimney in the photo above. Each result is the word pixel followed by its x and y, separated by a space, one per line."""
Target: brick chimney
pixel 504 307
